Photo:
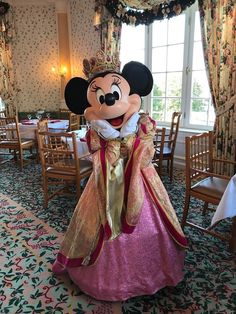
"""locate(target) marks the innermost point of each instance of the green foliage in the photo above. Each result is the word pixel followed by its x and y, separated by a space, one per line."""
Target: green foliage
pixel 197 104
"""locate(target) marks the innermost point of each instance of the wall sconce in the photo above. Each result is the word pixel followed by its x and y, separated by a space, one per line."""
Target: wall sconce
pixel 62 71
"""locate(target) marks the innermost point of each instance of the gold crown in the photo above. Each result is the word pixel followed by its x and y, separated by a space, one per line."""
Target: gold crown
pixel 100 63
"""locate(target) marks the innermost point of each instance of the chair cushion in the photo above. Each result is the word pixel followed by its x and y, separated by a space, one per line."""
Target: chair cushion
pixel 211 186
pixel 62 172
pixel 26 142
pixel 166 151
pixel 85 165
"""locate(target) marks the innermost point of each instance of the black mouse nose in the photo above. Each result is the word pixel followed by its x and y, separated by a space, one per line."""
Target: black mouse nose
pixel 110 99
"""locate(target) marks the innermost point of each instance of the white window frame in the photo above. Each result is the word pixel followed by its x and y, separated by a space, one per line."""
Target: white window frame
pixel 187 66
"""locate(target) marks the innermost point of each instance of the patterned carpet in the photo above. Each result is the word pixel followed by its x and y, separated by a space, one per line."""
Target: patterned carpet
pixel 30 238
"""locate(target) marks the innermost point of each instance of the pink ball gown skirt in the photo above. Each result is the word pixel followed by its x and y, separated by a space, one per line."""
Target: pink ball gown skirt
pixel 134 264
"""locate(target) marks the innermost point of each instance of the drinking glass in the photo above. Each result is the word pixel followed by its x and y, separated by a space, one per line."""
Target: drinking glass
pixel 38 116
pixel 48 115
pixel 29 116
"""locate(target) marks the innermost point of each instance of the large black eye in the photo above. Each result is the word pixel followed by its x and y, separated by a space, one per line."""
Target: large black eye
pixel 100 96
pixel 101 99
pixel 115 90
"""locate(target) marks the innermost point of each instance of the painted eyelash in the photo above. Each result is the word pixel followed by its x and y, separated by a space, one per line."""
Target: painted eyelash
pixel 94 88
pixel 116 81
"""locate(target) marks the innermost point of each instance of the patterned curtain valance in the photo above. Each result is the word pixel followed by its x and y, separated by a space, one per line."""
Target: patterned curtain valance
pixel 135 12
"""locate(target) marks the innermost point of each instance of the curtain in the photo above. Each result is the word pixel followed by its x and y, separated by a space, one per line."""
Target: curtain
pixel 109 16
pixel 109 27
pixel 7 85
pixel 135 12
pixel 218 23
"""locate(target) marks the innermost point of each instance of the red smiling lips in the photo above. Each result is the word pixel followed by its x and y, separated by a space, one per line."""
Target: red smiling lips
pixel 116 121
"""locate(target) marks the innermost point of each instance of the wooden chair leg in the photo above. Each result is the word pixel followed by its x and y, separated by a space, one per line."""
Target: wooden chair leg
pixel 21 159
pixel 160 168
pixel 185 212
pixel 15 155
pixel 205 208
pixel 167 166
pixel 45 192
pixel 171 169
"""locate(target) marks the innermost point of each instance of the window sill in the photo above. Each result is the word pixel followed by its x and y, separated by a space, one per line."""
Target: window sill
pixel 187 130
pixel 196 131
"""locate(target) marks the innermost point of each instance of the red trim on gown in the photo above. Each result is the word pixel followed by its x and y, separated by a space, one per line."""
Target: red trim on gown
pixel 140 263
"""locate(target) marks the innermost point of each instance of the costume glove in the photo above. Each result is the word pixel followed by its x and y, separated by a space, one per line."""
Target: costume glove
pixel 104 129
pixel 130 127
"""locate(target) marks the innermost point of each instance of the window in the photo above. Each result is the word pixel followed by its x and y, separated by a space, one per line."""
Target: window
pixel 172 49
pixel 2 105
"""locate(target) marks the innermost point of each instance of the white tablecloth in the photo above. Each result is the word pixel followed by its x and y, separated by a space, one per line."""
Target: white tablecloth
pixel 27 128
pixel 227 205
pixel 82 146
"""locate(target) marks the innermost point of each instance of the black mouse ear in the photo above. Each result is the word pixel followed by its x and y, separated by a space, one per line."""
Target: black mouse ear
pixel 139 78
pixel 76 95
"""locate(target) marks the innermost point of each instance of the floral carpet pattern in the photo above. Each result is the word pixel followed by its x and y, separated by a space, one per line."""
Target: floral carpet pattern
pixel 30 237
pixel 28 248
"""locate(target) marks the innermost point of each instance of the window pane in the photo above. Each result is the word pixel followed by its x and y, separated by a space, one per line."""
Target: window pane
pixel 176 29
pixel 158 116
pixel 159 84
pixel 159 59
pixel 197 30
pixel 159 33
pixel 175 58
pixel 174 84
pixel 198 59
pixel 199 111
pixel 158 106
pixel 132 40
pixel 169 53
pixel 200 87
pixel 173 104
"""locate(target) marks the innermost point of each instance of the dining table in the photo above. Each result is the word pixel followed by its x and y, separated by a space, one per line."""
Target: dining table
pixel 82 147
pixel 27 128
pixel 227 209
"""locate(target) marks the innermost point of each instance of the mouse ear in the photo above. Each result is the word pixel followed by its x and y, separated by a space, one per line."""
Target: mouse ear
pixel 76 95
pixel 139 78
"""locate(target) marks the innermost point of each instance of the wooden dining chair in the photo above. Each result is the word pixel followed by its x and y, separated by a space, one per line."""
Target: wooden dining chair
pixel 61 164
pixel 42 125
pixel 158 141
pixel 82 120
pixel 170 143
pixel 203 181
pixel 74 122
pixel 12 141
pixel 64 113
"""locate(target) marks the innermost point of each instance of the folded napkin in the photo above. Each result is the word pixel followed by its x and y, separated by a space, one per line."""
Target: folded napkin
pixel 82 139
pixel 27 123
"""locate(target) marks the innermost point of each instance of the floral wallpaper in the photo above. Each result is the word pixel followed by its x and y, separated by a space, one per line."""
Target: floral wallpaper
pixel 85 41
pixel 35 51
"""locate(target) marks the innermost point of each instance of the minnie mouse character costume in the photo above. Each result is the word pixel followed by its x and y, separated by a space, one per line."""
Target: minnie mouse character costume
pixel 124 238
